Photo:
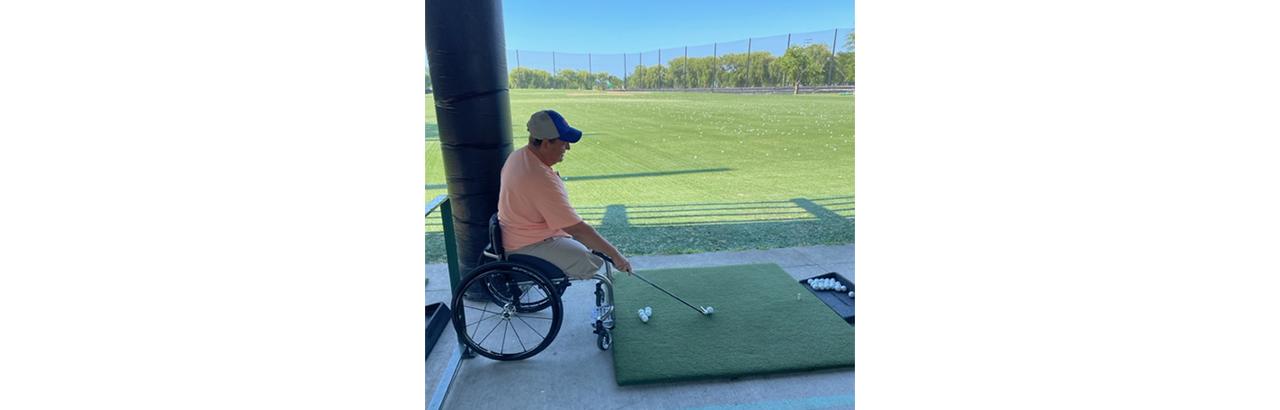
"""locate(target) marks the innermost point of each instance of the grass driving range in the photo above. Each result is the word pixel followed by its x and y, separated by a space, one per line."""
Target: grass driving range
pixel 671 173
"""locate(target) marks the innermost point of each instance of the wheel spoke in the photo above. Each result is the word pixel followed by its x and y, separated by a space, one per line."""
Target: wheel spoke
pixel 530 300
pixel 482 318
pixel 480 309
pixel 517 332
pixel 531 327
pixel 486 336
pixel 476 323
pixel 503 347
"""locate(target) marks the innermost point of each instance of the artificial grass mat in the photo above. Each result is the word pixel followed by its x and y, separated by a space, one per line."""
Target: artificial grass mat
pixel 758 327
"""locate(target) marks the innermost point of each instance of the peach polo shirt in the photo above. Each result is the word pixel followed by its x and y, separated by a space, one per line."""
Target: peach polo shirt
pixel 533 204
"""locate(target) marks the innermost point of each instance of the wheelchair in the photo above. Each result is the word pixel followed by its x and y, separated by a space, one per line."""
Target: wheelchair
pixel 509 307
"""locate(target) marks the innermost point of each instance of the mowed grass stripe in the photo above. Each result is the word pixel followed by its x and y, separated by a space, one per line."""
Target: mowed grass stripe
pixel 675 161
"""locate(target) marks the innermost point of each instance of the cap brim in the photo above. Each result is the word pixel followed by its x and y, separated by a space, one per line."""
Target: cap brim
pixel 567 133
pixel 571 135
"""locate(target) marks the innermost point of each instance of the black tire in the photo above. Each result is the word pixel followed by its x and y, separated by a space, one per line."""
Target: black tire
pixel 505 312
pixel 604 340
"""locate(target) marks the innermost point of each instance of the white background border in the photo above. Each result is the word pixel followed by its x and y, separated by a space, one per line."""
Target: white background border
pixel 211 205
pixel 1061 205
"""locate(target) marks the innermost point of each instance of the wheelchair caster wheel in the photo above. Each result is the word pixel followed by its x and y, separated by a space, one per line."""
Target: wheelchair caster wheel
pixel 604 340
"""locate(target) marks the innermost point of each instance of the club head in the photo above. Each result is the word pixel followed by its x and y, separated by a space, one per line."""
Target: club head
pixel 708 310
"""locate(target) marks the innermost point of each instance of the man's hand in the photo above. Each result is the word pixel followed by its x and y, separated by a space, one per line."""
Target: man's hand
pixel 582 232
pixel 622 264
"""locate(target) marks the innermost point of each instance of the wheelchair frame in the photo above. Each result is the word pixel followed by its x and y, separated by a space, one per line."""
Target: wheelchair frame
pixel 603 319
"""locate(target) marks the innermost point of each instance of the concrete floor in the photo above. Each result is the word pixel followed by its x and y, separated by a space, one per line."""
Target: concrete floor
pixel 573 374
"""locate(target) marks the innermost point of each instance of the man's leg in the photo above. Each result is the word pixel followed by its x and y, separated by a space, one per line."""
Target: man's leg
pixel 569 255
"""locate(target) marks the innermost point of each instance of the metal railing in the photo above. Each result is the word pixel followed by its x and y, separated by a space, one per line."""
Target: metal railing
pixel 460 352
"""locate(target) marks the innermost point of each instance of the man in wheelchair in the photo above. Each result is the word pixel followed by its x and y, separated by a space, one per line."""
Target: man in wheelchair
pixel 537 244
pixel 533 205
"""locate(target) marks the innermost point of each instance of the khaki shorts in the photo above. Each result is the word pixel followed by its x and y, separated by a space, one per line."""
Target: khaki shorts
pixel 568 254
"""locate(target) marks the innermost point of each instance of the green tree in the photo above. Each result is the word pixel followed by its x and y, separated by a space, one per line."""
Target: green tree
pixel 805 65
pixel 573 79
pixel 844 68
pixel 529 78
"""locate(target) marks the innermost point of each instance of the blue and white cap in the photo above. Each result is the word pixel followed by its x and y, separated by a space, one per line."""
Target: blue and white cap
pixel 549 125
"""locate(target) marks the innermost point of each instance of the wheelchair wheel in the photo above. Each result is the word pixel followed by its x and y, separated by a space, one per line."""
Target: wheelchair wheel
pixel 502 327
pixel 604 339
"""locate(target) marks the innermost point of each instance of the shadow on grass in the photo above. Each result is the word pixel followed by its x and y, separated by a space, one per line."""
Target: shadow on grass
pixel 713 227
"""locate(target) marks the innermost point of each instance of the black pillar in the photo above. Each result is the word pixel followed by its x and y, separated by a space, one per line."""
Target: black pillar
pixel 466 48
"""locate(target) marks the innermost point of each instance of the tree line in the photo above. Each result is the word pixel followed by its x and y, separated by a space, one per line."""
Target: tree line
pixel 809 65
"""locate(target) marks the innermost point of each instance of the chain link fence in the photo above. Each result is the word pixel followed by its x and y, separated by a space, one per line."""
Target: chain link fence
pixel 811 61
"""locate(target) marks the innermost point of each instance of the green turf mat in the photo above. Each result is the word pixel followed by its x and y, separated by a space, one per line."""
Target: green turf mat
pixel 758 327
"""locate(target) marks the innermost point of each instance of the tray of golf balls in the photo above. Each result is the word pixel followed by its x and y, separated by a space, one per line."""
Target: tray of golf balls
pixel 835 291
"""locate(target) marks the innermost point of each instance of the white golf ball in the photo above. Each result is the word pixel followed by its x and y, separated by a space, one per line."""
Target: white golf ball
pixel 644 318
pixel 648 311
pixel 851 293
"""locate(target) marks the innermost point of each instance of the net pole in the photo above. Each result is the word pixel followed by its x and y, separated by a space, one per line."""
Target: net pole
pixel 659 68
pixel 831 62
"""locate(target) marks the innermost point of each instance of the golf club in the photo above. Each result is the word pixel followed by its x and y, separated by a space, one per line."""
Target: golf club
pixel 705 310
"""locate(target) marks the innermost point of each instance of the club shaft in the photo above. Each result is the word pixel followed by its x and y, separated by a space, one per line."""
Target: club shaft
pixel 668 293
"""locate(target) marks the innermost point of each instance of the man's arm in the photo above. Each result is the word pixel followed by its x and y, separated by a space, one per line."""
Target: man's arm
pixel 584 233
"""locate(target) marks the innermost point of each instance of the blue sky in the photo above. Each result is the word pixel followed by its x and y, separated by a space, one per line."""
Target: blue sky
pixel 599 26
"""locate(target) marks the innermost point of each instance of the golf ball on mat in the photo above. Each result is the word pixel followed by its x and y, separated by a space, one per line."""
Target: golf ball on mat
pixel 644 318
pixel 648 311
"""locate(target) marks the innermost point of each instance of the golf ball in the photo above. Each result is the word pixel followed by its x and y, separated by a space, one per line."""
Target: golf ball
pixel 648 311
pixel 851 293
pixel 644 318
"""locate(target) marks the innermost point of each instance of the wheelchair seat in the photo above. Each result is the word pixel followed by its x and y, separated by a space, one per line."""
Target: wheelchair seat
pixel 548 269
